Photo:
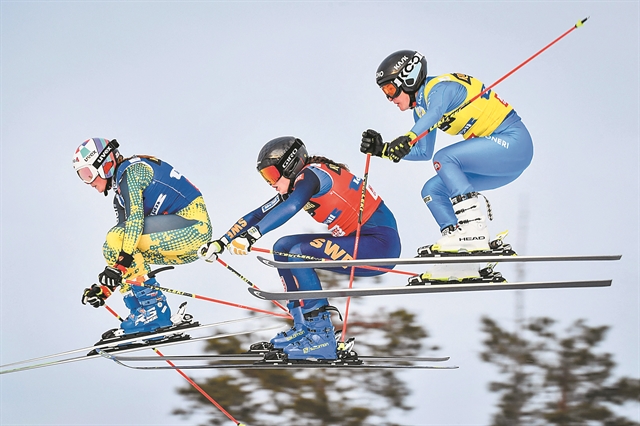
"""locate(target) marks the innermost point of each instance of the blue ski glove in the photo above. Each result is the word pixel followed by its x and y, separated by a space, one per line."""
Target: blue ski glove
pixel 96 295
pixel 242 244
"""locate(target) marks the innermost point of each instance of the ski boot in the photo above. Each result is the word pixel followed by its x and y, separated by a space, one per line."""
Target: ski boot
pixel 319 342
pixel 282 339
pixel 470 236
pixel 457 274
pixel 149 312
pixel 295 333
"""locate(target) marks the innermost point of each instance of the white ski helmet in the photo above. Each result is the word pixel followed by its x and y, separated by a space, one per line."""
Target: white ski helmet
pixel 95 157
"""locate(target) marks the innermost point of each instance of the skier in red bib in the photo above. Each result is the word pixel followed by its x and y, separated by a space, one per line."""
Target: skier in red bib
pixel 331 194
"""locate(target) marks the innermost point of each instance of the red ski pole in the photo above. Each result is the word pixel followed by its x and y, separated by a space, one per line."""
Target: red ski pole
pixel 455 111
pixel 243 278
pixel 356 243
pixel 208 299
pixel 187 378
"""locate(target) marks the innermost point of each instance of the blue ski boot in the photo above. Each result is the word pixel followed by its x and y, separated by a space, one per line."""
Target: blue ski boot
pixel 295 333
pixel 149 310
pixel 319 342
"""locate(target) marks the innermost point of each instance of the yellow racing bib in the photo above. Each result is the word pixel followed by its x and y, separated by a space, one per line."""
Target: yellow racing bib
pixel 481 117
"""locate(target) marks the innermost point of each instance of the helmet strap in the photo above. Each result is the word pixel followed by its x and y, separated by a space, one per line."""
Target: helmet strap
pixel 107 187
pixel 412 100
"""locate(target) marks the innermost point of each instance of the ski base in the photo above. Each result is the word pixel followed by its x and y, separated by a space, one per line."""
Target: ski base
pixel 417 289
pixel 279 360
pixel 160 335
pixel 41 361
pixel 151 343
pixel 439 259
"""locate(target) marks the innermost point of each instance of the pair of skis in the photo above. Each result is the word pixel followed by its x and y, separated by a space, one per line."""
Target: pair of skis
pixel 116 349
pixel 255 361
pixel 434 288
pixel 125 345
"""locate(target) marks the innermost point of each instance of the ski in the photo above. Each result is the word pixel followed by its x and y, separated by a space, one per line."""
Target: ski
pixel 434 288
pixel 432 260
pixel 259 357
pixel 355 363
pixel 151 345
pixel 125 341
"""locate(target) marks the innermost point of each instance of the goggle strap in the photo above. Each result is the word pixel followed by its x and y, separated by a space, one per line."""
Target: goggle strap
pixel 112 145
pixel 297 144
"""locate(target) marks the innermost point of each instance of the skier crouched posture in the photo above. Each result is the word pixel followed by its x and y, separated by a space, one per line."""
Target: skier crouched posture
pixel 162 220
pixel 496 149
pixel 331 195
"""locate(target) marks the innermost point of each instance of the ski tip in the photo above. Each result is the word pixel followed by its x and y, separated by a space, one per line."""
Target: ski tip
pixel 257 293
pixel 104 354
pixel 266 261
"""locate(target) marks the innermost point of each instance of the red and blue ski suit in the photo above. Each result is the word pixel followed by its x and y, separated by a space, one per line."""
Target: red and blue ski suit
pixel 331 195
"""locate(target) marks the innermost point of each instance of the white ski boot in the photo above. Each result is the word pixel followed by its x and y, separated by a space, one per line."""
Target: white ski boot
pixel 470 236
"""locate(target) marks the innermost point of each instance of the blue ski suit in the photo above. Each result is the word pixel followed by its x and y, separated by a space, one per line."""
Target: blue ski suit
pixel 496 149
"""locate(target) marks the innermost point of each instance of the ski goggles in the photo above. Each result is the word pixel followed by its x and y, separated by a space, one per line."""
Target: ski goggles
pixel 271 174
pixel 88 174
pixel 391 90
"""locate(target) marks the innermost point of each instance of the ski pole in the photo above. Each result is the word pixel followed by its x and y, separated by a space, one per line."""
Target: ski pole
pixel 208 299
pixel 306 257
pixel 365 178
pixel 455 111
pixel 246 280
pixel 199 389
pixel 187 378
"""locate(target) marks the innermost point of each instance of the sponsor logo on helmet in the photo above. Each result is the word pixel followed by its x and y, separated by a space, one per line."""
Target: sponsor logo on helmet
pixel 408 75
pixel 379 74
pixel 400 63
pixel 91 154
pixel 289 159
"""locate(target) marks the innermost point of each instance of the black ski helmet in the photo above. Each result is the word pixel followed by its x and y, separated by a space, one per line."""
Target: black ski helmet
pixel 403 70
pixel 282 157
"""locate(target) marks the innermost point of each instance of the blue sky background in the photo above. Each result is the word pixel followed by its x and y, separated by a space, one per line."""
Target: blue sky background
pixel 203 85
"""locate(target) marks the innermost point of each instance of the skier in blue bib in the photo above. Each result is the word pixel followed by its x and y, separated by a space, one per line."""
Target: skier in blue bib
pixel 495 150
pixel 162 219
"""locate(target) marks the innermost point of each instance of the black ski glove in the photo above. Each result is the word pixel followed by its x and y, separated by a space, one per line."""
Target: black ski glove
pixel 110 277
pixel 397 148
pixel 96 295
pixel 371 143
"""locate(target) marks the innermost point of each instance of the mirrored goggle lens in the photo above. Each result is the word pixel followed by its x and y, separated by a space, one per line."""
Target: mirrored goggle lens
pixel 270 174
pixel 86 174
pixel 391 90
